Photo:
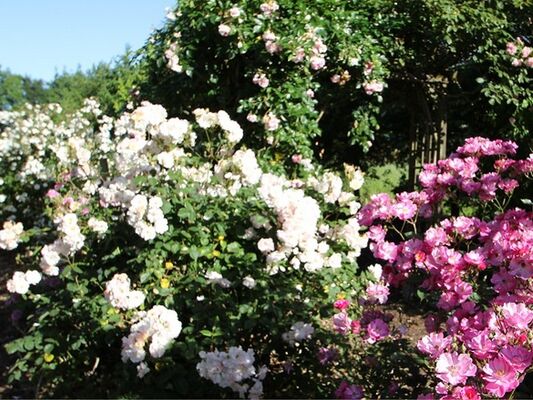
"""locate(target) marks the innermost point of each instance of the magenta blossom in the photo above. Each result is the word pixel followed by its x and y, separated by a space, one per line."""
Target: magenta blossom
pixel 481 345
pixel 518 357
pixel 387 251
pixel 341 304
pixel 404 210
pixel 52 193
pixel 500 377
pixel 327 355
pixel 465 393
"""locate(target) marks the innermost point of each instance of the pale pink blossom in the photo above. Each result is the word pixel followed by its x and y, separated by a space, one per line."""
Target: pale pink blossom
pixel 271 122
pixel 272 47
pixel 317 62
pixel 377 292
pixel 454 368
pixel 434 344
pixel 224 30
pixel 517 315
pixel 335 78
pixel 341 323
pixel 296 158
pixel 377 330
pixel 511 48
pixel 235 12
pixel 373 87
pixel 299 55
pixel 268 8
pixel 261 80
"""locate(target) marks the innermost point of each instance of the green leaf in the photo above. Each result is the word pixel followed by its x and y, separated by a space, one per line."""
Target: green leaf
pixel 206 332
pixel 12 347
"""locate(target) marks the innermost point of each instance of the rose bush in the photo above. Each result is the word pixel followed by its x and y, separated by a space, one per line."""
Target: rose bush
pixel 163 244
pixel 475 271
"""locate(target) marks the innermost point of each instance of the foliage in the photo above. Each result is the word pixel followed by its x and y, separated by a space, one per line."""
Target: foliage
pixel 309 65
pixel 443 66
pixel 16 90
pixel 386 178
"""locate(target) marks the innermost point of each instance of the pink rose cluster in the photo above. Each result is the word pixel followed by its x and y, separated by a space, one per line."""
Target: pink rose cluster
pixel 372 327
pixel 496 350
pixel 481 351
pixel 315 53
pixel 521 54
pixel 271 44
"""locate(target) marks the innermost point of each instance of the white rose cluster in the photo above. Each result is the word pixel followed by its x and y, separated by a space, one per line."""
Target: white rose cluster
pixel 10 235
pixel 232 369
pixel 329 185
pixel 21 281
pixel 51 256
pixel 148 116
pixel 172 131
pixel 97 225
pixel 355 176
pixel 301 242
pixel 159 326
pixel 240 170
pixel 173 60
pixel 71 233
pixel 146 216
pixel 28 135
pixel 118 293
pixel 299 331
pixel 207 119
pixel 298 216
pixel 70 240
pixel 351 235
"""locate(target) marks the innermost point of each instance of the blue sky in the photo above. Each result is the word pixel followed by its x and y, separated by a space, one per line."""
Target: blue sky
pixel 41 37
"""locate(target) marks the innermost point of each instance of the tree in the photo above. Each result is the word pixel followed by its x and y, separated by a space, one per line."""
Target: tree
pixel 16 90
pixel 441 65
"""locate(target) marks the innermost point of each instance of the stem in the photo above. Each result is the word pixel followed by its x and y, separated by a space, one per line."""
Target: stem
pixel 413 224
pixel 399 233
pixel 38 387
